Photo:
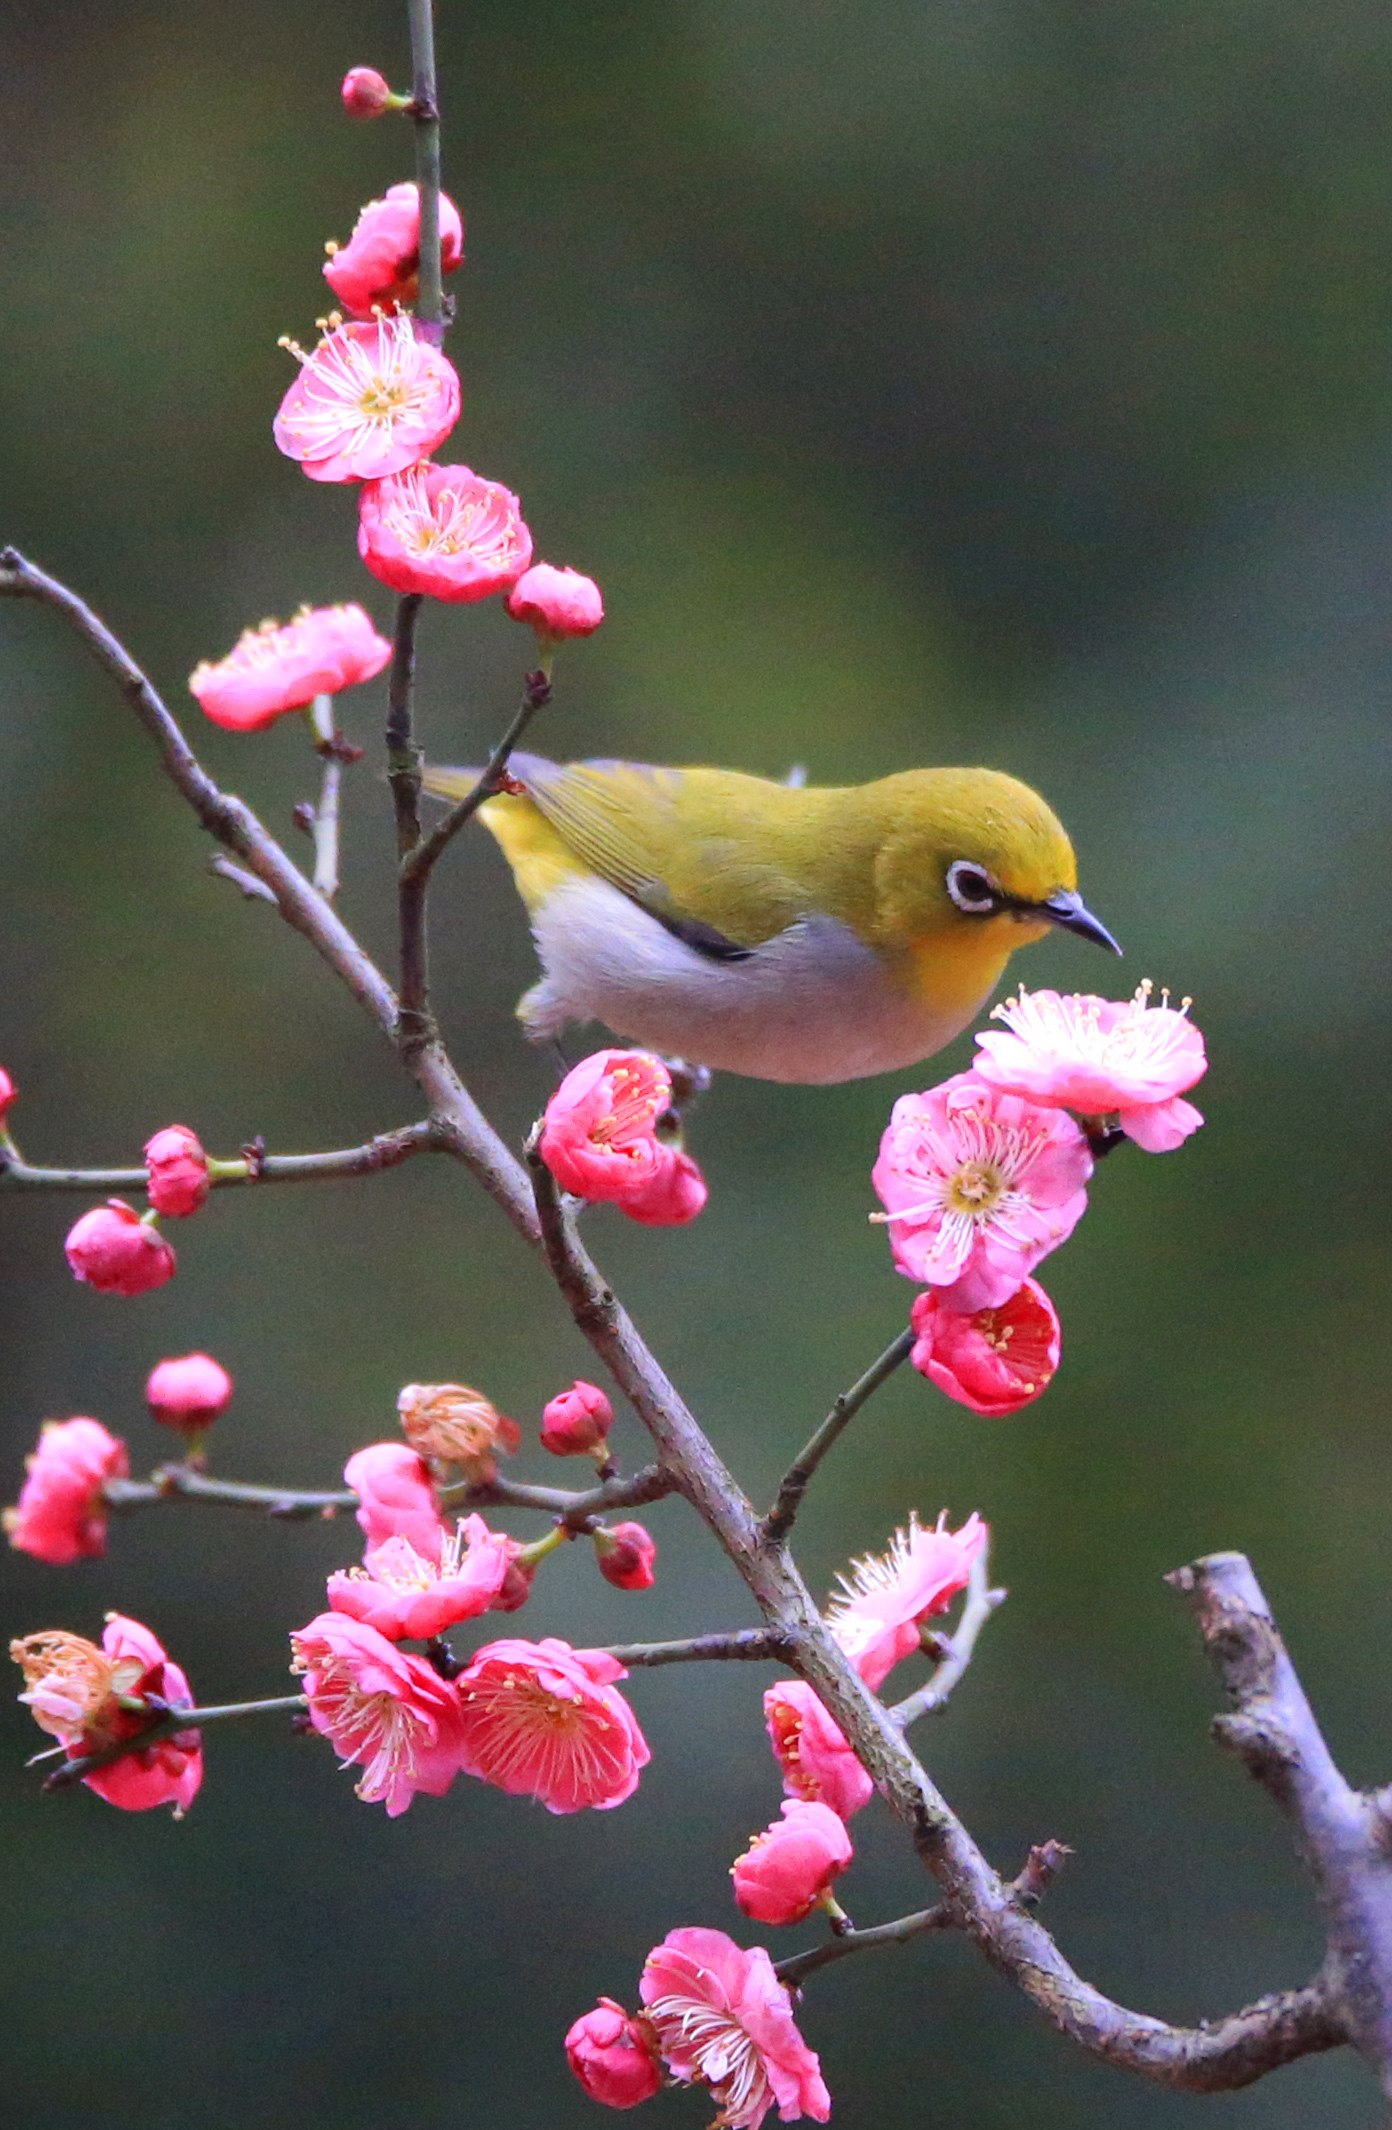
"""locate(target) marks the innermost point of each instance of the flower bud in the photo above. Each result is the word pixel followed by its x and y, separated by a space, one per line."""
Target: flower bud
pixel 188 1393
pixel 8 1091
pixel 557 603
pixel 448 1423
pixel 577 1422
pixel 785 1870
pixel 517 1583
pixel 178 1169
pixel 367 95
pixel 613 2056
pixel 117 1252
pixel 626 1554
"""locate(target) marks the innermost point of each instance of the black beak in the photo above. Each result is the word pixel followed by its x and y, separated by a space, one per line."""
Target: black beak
pixel 1069 911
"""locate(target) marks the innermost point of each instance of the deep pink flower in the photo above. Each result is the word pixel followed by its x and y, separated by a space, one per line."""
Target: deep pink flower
pixel 8 1091
pixel 395 1497
pixel 598 1138
pixel 453 1424
pixel 543 1720
pixel 369 400
pixel 626 1554
pixel 117 1252
pixel 556 602
pixel 816 1758
pixel 1100 1056
pixel 379 266
pixel 189 1392
pixel 577 1423
pixel 614 2057
pixel 444 531
pixel 785 1870
pixel 178 1169
pixel 995 1360
pixel 723 2020
pixel 876 1613
pixel 61 1514
pixel 367 95
pixel 75 1692
pixel 979 1186
pixel 274 670
pixel 517 1583
pixel 675 1195
pixel 406 1596
pixel 384 1711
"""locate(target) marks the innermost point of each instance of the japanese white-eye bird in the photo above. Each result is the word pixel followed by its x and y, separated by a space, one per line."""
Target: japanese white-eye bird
pixel 786 932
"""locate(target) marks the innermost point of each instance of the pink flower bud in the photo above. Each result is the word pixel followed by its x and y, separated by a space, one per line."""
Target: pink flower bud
pixel 785 1870
pixel 8 1091
pixel 613 2056
pixel 188 1393
pixel 366 94
pixel 994 1360
pixel 577 1422
pixel 115 1251
pixel 395 1497
pixel 676 1194
pixel 61 1513
pixel 556 602
pixel 178 1171
pixel 517 1583
pixel 626 1554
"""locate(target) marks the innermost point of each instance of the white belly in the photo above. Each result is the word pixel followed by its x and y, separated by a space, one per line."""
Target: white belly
pixel 811 1005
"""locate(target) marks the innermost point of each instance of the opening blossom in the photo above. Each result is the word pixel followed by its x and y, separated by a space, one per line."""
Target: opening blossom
pixel 785 1871
pixel 369 400
pixel 188 1392
pixel 625 1553
pixel 813 1751
pixel 409 1597
pixel 1100 1056
pixel 557 603
pixel 599 1139
pixel 676 1194
pixel 995 1360
pixel 577 1423
pixel 117 1252
pixel 723 2020
pixel 178 1169
pixel 875 1615
pixel 380 263
pixel 450 1423
pixel 61 1512
pixel 613 2056
pixel 274 670
pixel 75 1692
pixel 386 1712
pixel 543 1720
pixel 396 1498
pixel 444 531
pixel 978 1187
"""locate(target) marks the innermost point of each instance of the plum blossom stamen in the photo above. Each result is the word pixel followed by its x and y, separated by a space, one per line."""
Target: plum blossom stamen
pixel 725 2058
pixel 379 1721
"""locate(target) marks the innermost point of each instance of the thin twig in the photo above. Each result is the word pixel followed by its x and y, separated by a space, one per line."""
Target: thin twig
pixel 795 1970
pixel 417 867
pixel 184 1482
pixel 387 1151
pixel 779 1521
pixel 574 1510
pixel 425 111
pixel 255 890
pixel 166 1725
pixel 981 1602
pixel 325 826
pixel 404 765
pixel 750 1645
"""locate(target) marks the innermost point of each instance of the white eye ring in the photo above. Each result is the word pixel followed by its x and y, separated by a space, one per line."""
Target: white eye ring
pixel 971 887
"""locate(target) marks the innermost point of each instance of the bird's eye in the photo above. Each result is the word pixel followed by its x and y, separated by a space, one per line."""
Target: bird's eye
pixel 971 888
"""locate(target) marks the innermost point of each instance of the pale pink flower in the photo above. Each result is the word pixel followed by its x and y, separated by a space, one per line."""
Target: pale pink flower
pixel 816 1758
pixel 369 400
pixel 625 1553
pixel 117 1252
pixel 274 670
pixel 577 1422
pixel 995 1360
pixel 444 531
pixel 188 1392
pixel 366 93
pixel 723 2020
pixel 407 1596
pixel 61 1512
pixel 451 1423
pixel 8 1091
pixel 785 1871
pixel 675 1195
pixel 75 1692
pixel 875 1614
pixel 380 263
pixel 543 1720
pixel 395 1497
pixel 598 1137
pixel 178 1172
pixel 613 2056
pixel 1100 1056
pixel 556 602
pixel 978 1186
pixel 386 1712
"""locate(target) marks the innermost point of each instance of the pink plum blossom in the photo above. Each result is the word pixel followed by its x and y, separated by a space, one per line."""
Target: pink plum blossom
pixel 379 266
pixel 453 1424
pixel 406 1596
pixel 395 1497
pixel 543 1720
pixel 61 1512
pixel 785 1871
pixel 675 1195
pixel 444 531
pixel 1102 1057
pixel 816 1758
pixel 75 1691
pixel 188 1392
pixel 875 1615
pixel 275 670
pixel 577 1422
pixel 557 603
pixel 978 1186
pixel 117 1252
pixel 723 2020
pixel 613 2056
pixel 370 399
pixel 384 1711
pixel 995 1360
pixel 366 94
pixel 626 1554
pixel 178 1172
pixel 8 1091
pixel 598 1137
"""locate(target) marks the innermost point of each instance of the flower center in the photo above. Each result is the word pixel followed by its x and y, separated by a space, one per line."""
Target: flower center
pixel 975 1187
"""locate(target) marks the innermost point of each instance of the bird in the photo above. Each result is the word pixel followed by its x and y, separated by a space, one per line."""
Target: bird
pixel 789 932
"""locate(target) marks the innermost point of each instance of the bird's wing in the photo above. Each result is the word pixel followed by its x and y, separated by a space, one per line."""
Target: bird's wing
pixel 616 816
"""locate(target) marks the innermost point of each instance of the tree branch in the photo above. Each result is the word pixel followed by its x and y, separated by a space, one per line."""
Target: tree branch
pixel 418 865
pixel 779 1521
pixel 387 1151
pixel 745 1645
pixel 794 1971
pixel 167 1725
pixel 425 111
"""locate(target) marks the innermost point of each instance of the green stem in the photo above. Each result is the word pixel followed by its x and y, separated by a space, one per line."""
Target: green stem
pixel 425 110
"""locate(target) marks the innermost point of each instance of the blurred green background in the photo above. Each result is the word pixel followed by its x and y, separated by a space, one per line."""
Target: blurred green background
pixel 924 380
